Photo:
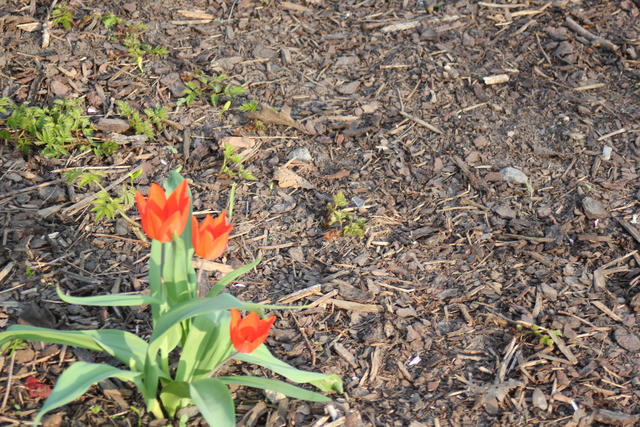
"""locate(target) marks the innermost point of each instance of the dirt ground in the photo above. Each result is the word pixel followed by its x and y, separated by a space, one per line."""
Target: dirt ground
pixel 478 295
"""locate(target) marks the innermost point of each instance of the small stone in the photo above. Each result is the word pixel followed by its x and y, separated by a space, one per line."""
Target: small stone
pixel 406 312
pixel 538 399
pixel 122 228
pixel 549 292
pixel 481 141
pixel 544 211
pixel 349 88
pixel 58 88
pixel 262 52
pixel 347 61
pixel 296 254
pixel 274 396
pixel 514 176
pixel 473 157
pixel 505 212
pixel 226 64
pixel 112 125
pixel 174 83
pixel 594 209
pixel 627 340
pixel 606 152
pixel 12 176
pixel 301 153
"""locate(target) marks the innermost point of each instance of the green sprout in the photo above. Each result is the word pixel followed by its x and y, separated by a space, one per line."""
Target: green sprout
pixel 51 129
pixel 109 20
pixel 219 93
pixel 143 126
pixel 232 164
pixel 12 346
pixel 105 205
pixel 543 334
pixel 138 50
pixel 29 272
pixel 351 225
pixel 62 16
pixel 191 93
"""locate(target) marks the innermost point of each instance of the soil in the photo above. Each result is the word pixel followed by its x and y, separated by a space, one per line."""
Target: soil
pixel 444 312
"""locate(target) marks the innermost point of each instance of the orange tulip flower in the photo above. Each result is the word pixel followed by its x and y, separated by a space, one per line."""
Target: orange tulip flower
pixel 211 237
pixel 162 216
pixel 247 334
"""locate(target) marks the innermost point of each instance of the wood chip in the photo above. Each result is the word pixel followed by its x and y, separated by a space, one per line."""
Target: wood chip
pixel 606 311
pixel 289 179
pixel 195 14
pixel 302 293
pixel 496 79
pixel 206 265
pixel 345 354
pixel 294 7
pixel 355 306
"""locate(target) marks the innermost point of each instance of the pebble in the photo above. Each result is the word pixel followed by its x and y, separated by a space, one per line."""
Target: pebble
pixel 505 212
pixel 544 211
pixel 481 141
pixel 549 292
pixel 514 176
pixel 594 209
pixel 538 399
pixel 112 125
pixel 627 340
pixel 301 153
pixel 606 152
pixel 174 83
pixel 349 88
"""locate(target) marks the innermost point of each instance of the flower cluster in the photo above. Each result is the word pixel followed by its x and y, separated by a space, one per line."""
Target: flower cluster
pixel 163 217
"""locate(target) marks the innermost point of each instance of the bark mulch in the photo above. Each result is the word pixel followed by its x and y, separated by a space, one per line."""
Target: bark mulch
pixel 492 149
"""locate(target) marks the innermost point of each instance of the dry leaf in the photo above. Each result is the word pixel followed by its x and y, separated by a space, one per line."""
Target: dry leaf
pixel 491 395
pixel 269 115
pixel 238 142
pixel 289 179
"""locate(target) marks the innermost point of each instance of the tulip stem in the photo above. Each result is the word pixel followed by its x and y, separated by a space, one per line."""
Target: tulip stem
pixel 232 199
pixel 199 285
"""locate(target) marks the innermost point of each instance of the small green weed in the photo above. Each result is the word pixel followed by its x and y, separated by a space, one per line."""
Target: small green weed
pixel 217 90
pixel 109 20
pixel 29 272
pixel 95 409
pixel 143 126
pixel 351 225
pixel 138 50
pixel 232 165
pixel 129 34
pixel 105 205
pixel 191 93
pixel 62 16
pixel 543 334
pixel 52 129
pixel 12 346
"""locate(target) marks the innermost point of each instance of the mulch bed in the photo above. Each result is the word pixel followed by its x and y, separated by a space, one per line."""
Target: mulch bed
pixel 493 149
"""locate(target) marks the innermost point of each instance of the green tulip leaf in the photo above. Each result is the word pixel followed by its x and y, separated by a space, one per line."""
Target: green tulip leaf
pixel 124 346
pixel 77 379
pixel 275 385
pixel 263 357
pixel 117 300
pixel 230 277
pixel 214 401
